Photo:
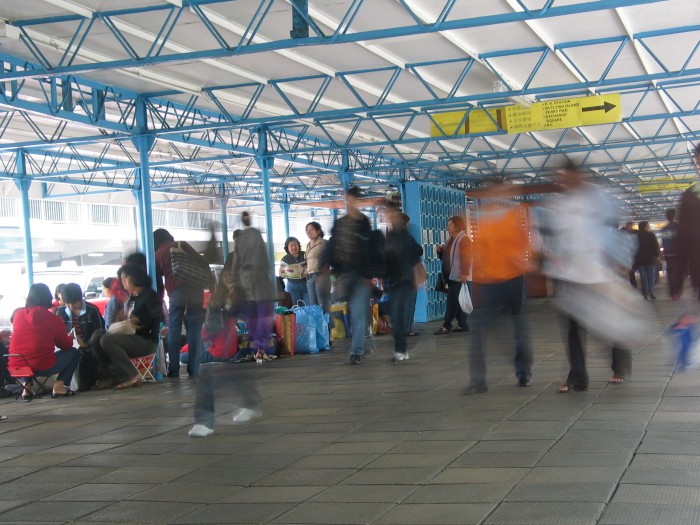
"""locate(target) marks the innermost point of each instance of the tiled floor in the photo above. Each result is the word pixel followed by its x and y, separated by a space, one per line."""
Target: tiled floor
pixel 378 443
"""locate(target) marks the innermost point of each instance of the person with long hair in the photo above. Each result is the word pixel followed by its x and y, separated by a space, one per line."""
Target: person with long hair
pixel 456 269
pixel 36 332
pixel 145 313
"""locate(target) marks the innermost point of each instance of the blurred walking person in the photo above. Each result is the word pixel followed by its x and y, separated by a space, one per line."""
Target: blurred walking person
pixel 689 230
pixel 349 254
pixel 251 294
pixel 584 244
pixel 646 258
pixel 501 258
pixel 456 258
pixel 669 241
pixel 403 253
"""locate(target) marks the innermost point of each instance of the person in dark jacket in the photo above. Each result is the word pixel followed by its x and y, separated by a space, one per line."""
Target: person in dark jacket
pixel 295 259
pixel 79 315
pixel 403 253
pixel 349 255
pixel 646 258
pixel 183 298
pixel 689 231
pixel 669 241
pixel 85 321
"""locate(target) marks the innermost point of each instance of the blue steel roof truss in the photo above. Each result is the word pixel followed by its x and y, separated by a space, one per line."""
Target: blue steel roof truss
pixel 306 135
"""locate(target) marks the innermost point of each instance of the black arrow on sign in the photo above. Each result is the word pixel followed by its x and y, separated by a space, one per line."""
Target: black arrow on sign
pixel 607 106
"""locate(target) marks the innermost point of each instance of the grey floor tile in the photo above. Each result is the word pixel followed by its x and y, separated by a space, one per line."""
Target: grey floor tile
pixel 335 513
pixel 545 513
pixel 466 493
pixel 657 494
pixel 479 475
pixel 562 491
pixel 580 474
pixel 310 477
pixel 55 510
pixel 388 476
pixel 445 514
pixel 585 459
pixel 320 461
pixel 142 512
pixel 412 460
pixel 234 513
pixel 220 476
pixel 100 492
pixel 365 494
pixel 650 514
pixel 187 493
pixel 264 495
pixel 496 459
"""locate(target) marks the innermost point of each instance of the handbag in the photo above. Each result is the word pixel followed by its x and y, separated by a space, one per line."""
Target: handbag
pixel 440 284
pixel 465 299
pixel 188 269
pixel 420 275
pixel 122 327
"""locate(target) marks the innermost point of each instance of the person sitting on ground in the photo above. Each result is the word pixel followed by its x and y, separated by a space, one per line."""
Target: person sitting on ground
pixel 35 334
pixel 146 314
pixel 84 320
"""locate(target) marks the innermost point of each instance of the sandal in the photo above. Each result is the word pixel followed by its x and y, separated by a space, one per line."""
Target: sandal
pixel 127 384
pixel 442 331
pixel 412 334
pixel 67 393
pixel 616 380
pixel 564 389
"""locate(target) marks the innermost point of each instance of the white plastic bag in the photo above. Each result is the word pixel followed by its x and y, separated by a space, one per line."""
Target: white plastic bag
pixel 465 299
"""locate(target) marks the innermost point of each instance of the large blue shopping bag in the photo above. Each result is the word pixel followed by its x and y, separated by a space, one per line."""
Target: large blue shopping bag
pixel 312 329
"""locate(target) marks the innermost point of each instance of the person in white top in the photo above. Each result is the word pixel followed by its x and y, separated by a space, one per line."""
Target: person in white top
pixel 584 244
pixel 317 282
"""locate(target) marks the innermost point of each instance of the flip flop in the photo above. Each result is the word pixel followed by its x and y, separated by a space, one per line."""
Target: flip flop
pixel 616 380
pixel 564 389
pixel 412 334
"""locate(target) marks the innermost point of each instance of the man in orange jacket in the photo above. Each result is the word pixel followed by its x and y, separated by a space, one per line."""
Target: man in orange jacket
pixel 501 253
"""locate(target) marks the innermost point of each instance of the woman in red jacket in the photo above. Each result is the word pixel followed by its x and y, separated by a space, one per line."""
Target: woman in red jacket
pixel 35 334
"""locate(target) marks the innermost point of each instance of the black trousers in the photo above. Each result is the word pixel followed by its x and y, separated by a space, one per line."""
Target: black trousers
pixel 452 309
pixel 576 343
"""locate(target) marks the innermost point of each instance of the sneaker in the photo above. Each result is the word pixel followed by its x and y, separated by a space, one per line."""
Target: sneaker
pixel 524 382
pixel 355 359
pixel 200 431
pixel 398 356
pixel 246 414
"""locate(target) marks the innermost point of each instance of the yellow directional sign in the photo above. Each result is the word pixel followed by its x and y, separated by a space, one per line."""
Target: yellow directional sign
pixel 552 114
pixel 660 186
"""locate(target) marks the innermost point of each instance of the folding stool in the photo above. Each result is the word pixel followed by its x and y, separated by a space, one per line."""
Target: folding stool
pixel 144 366
pixel 24 376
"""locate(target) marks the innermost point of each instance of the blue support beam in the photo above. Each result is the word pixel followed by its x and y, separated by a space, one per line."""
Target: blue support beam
pixel 266 162
pixel 23 183
pixel 223 203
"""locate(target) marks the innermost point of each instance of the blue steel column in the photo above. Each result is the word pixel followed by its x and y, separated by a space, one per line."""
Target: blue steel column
pixel 344 175
pixel 143 142
pixel 223 202
pixel 23 184
pixel 265 161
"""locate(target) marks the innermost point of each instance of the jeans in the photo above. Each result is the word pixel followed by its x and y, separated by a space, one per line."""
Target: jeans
pixel 401 314
pixel 358 304
pixel 66 363
pixel 186 300
pixel 647 276
pixel 506 296
pixel 452 309
pixel 298 290
pixel 320 294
